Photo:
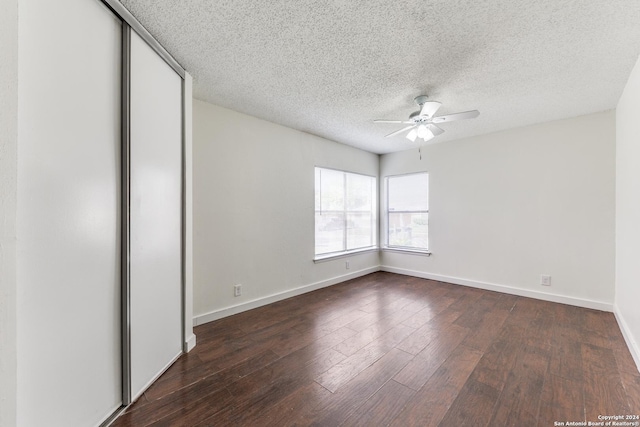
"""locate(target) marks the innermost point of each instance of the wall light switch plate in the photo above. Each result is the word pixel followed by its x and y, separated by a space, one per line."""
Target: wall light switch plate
pixel 545 280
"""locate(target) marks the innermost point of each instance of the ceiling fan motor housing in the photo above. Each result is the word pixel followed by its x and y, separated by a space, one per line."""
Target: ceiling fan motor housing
pixel 421 99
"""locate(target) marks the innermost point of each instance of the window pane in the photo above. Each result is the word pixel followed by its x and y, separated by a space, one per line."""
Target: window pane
pixel 359 230
pixel 329 232
pixel 331 190
pixel 409 192
pixel 359 194
pixel 409 230
pixel 318 187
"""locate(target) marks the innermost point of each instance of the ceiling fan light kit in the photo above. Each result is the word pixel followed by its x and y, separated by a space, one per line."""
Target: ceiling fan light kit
pixel 422 123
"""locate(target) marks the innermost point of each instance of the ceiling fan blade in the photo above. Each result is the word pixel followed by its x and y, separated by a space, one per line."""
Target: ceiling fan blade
pixel 399 131
pixel 456 116
pixel 391 121
pixel 429 108
pixel 435 130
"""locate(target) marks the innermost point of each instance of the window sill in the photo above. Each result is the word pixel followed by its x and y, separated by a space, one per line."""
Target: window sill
pixel 329 257
pixel 407 251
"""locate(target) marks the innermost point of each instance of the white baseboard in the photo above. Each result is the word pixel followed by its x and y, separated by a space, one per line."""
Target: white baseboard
pixel 259 302
pixel 249 305
pixel 189 343
pixel 597 305
pixel 626 333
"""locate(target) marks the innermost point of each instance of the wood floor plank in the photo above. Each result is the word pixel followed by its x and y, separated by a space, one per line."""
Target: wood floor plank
pixel 603 389
pixel 539 333
pixel 473 406
pixel 430 404
pixel 305 364
pixel 566 359
pixel 392 317
pixel 338 322
pixel 467 298
pixel 419 339
pixel 210 352
pixel 345 401
pixel 595 328
pixel 386 305
pixel 497 361
pixel 382 407
pixel 444 318
pixel 300 401
pixel 418 371
pixel 350 367
pixel 631 385
pixel 486 330
pixel 162 408
pixel 473 316
pixel 562 400
pixel 520 397
pixel 364 322
pixel 196 411
pixel 434 307
pixel 295 343
pixel 363 338
pixel 257 393
pixel 170 384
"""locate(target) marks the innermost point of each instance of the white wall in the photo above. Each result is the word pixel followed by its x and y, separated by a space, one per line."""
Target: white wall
pixel 510 206
pixel 8 199
pixel 253 203
pixel 628 212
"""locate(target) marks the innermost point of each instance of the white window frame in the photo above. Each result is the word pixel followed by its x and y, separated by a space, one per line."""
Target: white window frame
pixel 398 248
pixel 374 220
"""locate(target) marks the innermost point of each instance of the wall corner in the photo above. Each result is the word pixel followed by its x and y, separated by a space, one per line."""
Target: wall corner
pixel 187 102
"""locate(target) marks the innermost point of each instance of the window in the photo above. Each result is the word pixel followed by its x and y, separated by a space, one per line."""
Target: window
pixel 408 212
pixel 345 212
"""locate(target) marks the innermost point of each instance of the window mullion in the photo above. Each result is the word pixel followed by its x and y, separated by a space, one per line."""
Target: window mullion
pixel 344 213
pixel 388 223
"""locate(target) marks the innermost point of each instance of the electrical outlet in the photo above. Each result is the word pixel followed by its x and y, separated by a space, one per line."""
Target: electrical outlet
pixel 346 265
pixel 237 290
pixel 545 280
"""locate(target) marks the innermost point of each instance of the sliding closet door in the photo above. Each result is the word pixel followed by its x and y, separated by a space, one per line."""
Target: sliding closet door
pixel 155 215
pixel 69 352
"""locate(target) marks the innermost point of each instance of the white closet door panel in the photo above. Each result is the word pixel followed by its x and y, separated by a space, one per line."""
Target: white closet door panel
pixel 69 340
pixel 155 215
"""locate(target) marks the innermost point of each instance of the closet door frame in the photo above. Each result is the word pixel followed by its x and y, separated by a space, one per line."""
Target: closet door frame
pixel 130 23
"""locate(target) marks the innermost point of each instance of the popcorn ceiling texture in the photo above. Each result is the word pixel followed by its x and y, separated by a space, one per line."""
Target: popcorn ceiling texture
pixel 330 67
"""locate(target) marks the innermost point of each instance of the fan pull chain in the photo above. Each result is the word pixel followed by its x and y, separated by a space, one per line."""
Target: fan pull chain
pixel 420 152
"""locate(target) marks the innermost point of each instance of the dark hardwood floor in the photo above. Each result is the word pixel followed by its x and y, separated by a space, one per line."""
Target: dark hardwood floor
pixel 387 349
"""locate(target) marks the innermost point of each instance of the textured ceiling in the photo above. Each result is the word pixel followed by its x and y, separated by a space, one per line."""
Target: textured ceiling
pixel 330 67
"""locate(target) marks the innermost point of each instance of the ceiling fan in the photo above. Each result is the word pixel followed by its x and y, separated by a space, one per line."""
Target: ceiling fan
pixel 422 124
